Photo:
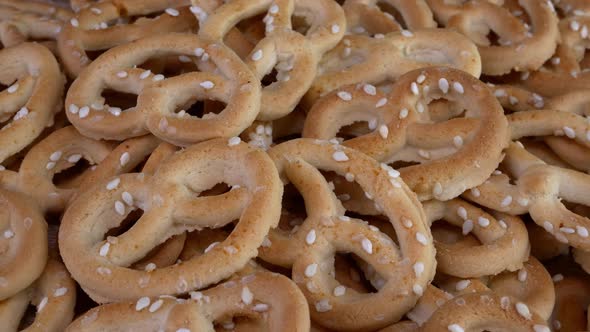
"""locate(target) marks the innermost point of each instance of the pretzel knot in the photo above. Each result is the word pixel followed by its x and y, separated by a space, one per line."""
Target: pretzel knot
pixel 539 190
pixel 17 27
pixel 522 47
pixel 373 16
pixel 363 59
pixel 170 207
pixel 158 109
pixel 97 27
pixel 23 244
pixel 53 295
pixel 34 95
pixel 264 296
pixel 293 55
pixel 456 154
pixel 503 243
pixel 326 231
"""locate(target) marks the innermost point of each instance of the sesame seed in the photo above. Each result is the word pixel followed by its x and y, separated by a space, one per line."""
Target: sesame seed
pixel 443 85
pixel 311 270
pixel 557 278
pixel 418 290
pixel 50 165
pixel 418 268
pixel 273 9
pixel 158 77
pixel 582 231
pixel 567 230
pixel 483 222
pixel 230 249
pixel 462 212
pixel 142 303
pixel 541 328
pixel 523 310
pixel 548 226
pixel 310 237
pixel 60 292
pixel 421 78
pixel 84 111
pixel 522 275
pixel 172 12
pixel 96 11
pixel 104 249
pixel 502 224
pixel 403 113
pixel 420 107
pixel 122 74
pixel 414 88
pixel 182 329
pixel 260 307
pixel 455 328
pixel 150 267
pixel 12 88
pixel 339 290
pixel 506 201
pixel 367 245
pixel 124 159
pixel 424 154
pixel 383 131
pixel 437 189
pixel 247 295
pixel 256 55
pixel 74 158
pixel 513 100
pixel 207 85
pixel 407 33
pixel 8 234
pixel 24 111
pixel 120 208
pixel 116 111
pixel 234 141
pixel 381 102
pixel 211 246
pixel 335 28
pixel 569 132
pixel 344 95
pixel 349 177
pixel 55 156
pixel 339 156
pixel 127 198
pixel 42 303
pixel 475 192
pixel 421 238
pixel 145 74
pixel 370 89
pixel 461 285
pixel 458 87
pixel 323 306
pixel 199 51
pixel 467 227
pixel 74 22
pixel 113 184
pixel 574 25
pixel 156 305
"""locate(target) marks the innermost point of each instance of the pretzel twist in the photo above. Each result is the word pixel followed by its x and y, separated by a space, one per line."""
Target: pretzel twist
pixel 295 56
pixel 169 208
pixel 405 131
pixel 539 189
pixel 362 59
pixel 156 107
pixel 17 27
pixel 327 231
pixel 97 27
pixel 23 244
pixel 53 295
pixel 28 105
pixel 270 297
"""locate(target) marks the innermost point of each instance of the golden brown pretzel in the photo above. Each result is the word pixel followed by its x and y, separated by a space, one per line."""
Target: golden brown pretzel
pixel 17 27
pixel 264 296
pixel 42 8
pixel 293 55
pixel 452 156
pixel 326 231
pixel 160 99
pixel 34 94
pixel 53 295
pixel 97 28
pixel 360 59
pixel 170 207
pixel 23 243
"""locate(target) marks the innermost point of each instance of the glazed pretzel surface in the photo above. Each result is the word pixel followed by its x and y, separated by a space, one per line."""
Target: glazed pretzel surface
pixel 326 231
pixel 404 130
pixel 35 87
pixel 158 109
pixel 170 207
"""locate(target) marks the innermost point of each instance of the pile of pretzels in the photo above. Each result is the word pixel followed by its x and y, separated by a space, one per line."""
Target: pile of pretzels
pixel 295 165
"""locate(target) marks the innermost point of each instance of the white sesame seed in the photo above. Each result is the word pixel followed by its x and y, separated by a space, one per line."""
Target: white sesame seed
pixel 523 310
pixel 500 93
pixel 182 329
pixel 383 131
pixel 420 107
pixel 230 249
pixel 127 198
pixel 475 192
pixel 418 269
pixel 96 11
pixel 421 78
pixel 122 74
pixel 574 25
pixel 567 230
pixel 569 132
pixel 467 227
pixel 24 111
pixel 339 156
pixel 443 85
pixel 247 295
pixel 311 270
pixel 483 222
pixel 513 100
pixel 462 212
pixel 344 95
pixel 455 328
pixel 370 89
pixel 421 238
pixel 541 328
pixel 506 201
pixel 335 28
pixel 344 218
pixel 150 267
pixel 234 141
pixel 437 189
pixel 458 87
pixel 116 111
pixel 142 303
pixel 199 51
pixel 12 88
pixel 172 12
pixel 8 234
pixel 260 307
pixel 381 102
pixel 557 278
pixel 145 74
pixel 310 237
pixel 372 123
pixel 414 88
pixel 323 306
pixel 257 55
pixel 42 303
pixel 211 246
pixel 124 159
pixel 424 154
pixel 207 85
pixel 50 165
pixel 273 9
pixel 582 231
pixel 113 184
pixel 407 33
pixel 74 158
pixel 522 275
pixel 74 22
pixel 55 156
pixel 104 249
pixel 548 226
pixel 60 292
pixel 339 290
pixel 418 290
pixel 367 245
pixel 502 224
pixel 403 113
pixel 158 77
pixel 156 305
pixel 461 285
pixel 120 208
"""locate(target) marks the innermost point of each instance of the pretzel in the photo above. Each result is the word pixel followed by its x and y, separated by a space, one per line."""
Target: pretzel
pixel 573 7
pixel 309 249
pixel 543 245
pixel 92 29
pixel 403 131
pixel 53 295
pixel 539 189
pixel 169 208
pixel 60 150
pixel 520 49
pixel 294 56
pixel 264 296
pixel 17 27
pixel 39 8
pixel 571 304
pixel 31 100
pixel 443 10
pixel 362 59
pixel 160 98
pixel 565 65
pixel 366 16
pixel 485 311
pixel 502 241
pixel 542 151
pixel 24 243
